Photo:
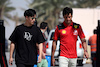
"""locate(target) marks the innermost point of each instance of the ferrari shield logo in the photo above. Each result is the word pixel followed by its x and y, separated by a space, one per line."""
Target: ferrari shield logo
pixel 75 26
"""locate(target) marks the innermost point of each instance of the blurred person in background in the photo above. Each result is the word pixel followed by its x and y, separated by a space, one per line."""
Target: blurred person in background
pixel 3 57
pixel 93 43
pixel 43 63
pixel 68 31
pixel 3 44
pixel 24 39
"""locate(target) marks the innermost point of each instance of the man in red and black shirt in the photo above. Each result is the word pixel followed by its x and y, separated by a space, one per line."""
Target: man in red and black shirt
pixel 68 32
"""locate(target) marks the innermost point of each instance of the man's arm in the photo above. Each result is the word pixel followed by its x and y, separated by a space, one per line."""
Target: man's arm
pixel 40 52
pixel 43 54
pixel 85 48
pixel 37 45
pixel 12 47
pixel 53 51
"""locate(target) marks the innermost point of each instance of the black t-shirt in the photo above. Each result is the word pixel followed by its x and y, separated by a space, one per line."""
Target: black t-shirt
pixel 25 39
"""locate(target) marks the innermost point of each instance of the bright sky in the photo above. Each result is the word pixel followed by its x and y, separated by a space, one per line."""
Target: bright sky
pixel 18 4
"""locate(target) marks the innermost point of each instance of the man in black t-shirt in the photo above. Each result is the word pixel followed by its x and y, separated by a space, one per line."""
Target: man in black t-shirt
pixel 24 39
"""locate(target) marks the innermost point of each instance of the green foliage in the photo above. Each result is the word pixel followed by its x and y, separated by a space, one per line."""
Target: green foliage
pixel 49 10
pixel 5 9
pixel 87 3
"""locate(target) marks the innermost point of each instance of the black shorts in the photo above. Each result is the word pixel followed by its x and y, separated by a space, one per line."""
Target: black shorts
pixel 23 65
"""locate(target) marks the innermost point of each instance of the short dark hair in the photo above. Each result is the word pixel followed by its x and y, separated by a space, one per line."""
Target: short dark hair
pixel 43 25
pixel 95 31
pixel 29 13
pixel 67 10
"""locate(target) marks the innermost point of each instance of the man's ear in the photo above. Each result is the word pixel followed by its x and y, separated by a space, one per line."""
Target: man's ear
pixel 46 28
pixel 26 17
pixel 63 16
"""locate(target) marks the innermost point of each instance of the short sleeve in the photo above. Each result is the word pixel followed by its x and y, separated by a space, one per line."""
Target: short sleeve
pixel 13 37
pixel 89 41
pixel 40 37
pixel 80 32
pixel 56 34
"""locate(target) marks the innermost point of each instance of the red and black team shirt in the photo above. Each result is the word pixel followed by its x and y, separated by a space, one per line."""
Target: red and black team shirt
pixel 68 38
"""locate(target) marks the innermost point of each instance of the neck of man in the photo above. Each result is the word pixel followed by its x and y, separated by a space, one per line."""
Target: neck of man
pixel 27 24
pixel 43 30
pixel 68 23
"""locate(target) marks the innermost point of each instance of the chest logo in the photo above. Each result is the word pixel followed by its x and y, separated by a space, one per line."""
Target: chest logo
pixel 75 32
pixel 63 31
pixel 27 36
pixel 75 26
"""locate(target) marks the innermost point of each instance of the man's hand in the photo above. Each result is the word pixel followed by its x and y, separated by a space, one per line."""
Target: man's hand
pixel 10 61
pixel 86 55
pixel 39 59
pixel 53 51
pixel 53 62
pixel 43 55
pixel 12 46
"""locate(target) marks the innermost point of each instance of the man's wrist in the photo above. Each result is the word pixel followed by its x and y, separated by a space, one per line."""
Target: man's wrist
pixel 85 50
pixel 52 57
pixel 40 55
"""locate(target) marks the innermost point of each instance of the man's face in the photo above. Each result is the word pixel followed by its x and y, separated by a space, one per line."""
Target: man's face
pixel 31 20
pixel 68 18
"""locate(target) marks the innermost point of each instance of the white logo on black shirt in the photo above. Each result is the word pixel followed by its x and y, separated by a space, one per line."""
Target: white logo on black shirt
pixel 27 36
